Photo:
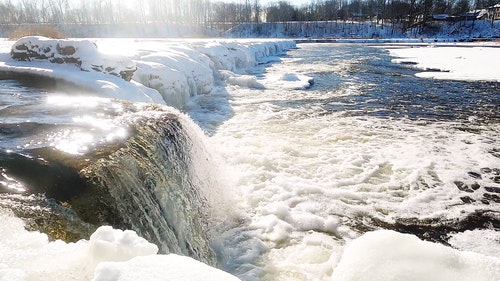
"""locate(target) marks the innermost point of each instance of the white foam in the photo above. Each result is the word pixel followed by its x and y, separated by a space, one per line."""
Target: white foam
pixel 304 171
pixel 484 241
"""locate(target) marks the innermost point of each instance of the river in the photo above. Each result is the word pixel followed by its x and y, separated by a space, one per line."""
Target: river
pixel 279 178
pixel 368 146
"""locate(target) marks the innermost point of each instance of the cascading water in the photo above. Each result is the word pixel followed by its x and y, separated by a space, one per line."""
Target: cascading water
pixel 151 184
pixel 100 161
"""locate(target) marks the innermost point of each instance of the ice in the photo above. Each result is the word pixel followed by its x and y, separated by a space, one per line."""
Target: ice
pixel 168 71
pixel 109 254
pixel 248 81
pixel 105 85
pixel 292 81
pixel 452 63
pixel 111 244
pixel 160 268
pixel 387 255
pixel 183 69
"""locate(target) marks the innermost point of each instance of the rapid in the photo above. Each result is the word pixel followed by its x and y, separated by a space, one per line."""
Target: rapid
pixel 367 146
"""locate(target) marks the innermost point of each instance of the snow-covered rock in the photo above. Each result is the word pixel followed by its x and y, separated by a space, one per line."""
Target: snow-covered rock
pixel 168 71
pixel 82 53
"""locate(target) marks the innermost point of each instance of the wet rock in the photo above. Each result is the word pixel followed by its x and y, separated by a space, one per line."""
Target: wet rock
pixel 474 175
pixel 467 200
pixel 66 50
pixel 496 179
pixel 491 197
pixel 463 187
pixel 475 186
pixel 438 229
pixel 493 189
pixel 486 170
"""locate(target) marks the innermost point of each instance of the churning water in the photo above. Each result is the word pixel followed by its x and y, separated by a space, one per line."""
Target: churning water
pixel 368 146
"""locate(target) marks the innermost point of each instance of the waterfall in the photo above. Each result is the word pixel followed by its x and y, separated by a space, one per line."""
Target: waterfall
pixel 157 181
pixel 149 183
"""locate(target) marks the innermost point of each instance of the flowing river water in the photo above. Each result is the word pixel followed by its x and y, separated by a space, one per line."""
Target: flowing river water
pixel 368 146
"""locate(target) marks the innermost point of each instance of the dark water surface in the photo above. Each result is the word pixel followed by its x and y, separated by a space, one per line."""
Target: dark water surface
pixel 391 90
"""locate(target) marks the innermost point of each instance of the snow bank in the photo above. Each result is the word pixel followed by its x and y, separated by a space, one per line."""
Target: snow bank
pixel 180 70
pixel 168 71
pixel 39 52
pixel 109 254
pixel 452 63
pixel 387 255
pixel 488 244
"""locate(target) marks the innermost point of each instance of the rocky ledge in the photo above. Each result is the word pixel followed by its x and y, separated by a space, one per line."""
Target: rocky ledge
pixel 81 53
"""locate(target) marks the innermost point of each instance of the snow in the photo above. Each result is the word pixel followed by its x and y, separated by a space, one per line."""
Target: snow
pixel 84 75
pixel 473 63
pixel 107 243
pixel 160 268
pixel 176 71
pixel 109 254
pixel 390 256
pixel 168 71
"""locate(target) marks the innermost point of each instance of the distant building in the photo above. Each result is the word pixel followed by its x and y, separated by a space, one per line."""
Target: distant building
pixel 494 12
pixel 476 14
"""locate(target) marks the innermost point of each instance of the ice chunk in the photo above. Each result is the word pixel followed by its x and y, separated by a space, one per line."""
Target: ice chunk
pixel 160 268
pixel 111 244
pixel 388 255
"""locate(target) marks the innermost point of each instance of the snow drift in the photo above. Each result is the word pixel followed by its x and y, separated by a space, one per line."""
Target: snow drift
pixel 169 71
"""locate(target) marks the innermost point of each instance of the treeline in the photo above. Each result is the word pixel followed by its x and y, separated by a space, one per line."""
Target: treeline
pixel 206 12
pixel 392 10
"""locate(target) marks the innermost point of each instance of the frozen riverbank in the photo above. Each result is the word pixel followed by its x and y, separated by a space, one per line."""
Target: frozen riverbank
pixel 290 155
pixel 168 71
